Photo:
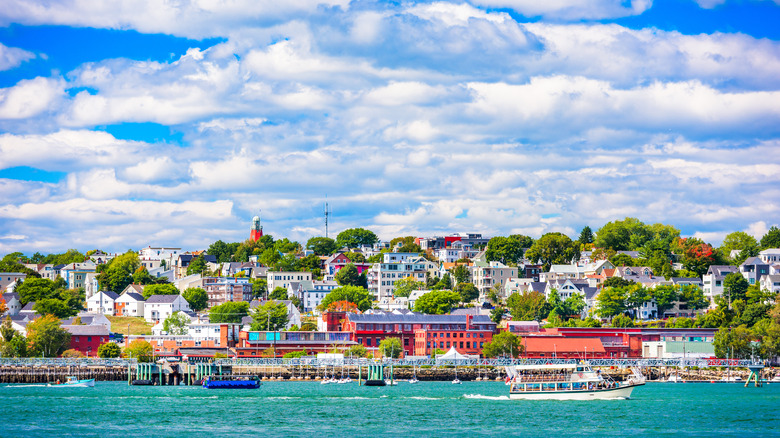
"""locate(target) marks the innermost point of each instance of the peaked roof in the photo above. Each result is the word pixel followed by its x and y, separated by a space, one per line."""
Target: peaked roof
pixel 87 330
pixel 108 293
pixel 452 354
pixel 162 299
pixel 134 295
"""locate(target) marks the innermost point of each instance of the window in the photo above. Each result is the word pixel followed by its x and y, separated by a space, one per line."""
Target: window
pixel 89 338
pixel 468 344
pixel 448 345
pixel 461 344
pixel 368 342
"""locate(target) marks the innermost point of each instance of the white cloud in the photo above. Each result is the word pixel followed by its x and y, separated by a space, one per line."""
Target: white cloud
pixel 572 9
pixel 29 98
pixel 12 57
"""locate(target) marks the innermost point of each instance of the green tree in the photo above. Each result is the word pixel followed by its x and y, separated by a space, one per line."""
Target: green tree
pixel 176 324
pixel 321 245
pixel 54 306
pixel 118 273
pixel 356 295
pixel 405 286
pixel 586 236
pixel 348 276
pixel 468 292
pixel 574 305
pixel 497 314
pixel 295 354
pixel 197 265
pixel 357 350
pixel 47 337
pixel 735 286
pixel 36 289
pixel 695 255
pixel 355 237
pixel 224 252
pixel 733 343
pixel 741 241
pixel 694 297
pixel 437 302
pixel 230 312
pixel 503 344
pixel 278 294
pixel 610 301
pixel 622 321
pixel 142 276
pixel 109 350
pixel 553 248
pixel 391 347
pixel 629 234
pixel 410 247
pixel 287 246
pixel 618 282
pixel 771 239
pixel 259 287
pixel 770 341
pixel 140 350
pixel 753 313
pixel 665 296
pixel 529 306
pixel 270 316
pixel 635 296
pixel 460 273
pixel 12 343
pixel 622 260
pixel 504 249
pixel 196 297
pixel 444 283
pixel 159 289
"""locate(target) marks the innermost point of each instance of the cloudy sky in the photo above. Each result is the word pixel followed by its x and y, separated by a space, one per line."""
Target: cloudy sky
pixel 129 123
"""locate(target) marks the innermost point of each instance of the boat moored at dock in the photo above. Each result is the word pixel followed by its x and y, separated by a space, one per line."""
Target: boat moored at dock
pixel 568 382
pixel 73 382
pixel 232 382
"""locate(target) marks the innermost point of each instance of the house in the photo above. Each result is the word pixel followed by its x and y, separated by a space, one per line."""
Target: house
pixel 311 293
pixel 9 279
pixel 276 279
pixel 12 301
pixel 485 275
pixel 770 256
pixel 28 311
pixel 222 290
pixel 396 266
pixel 102 302
pixel 467 340
pixel 293 314
pixel 159 307
pixel 753 268
pixel 770 283
pixel 75 274
pixel 713 280
pixel 85 318
pixel 129 304
pixel 335 262
pixel 87 338
pixel 182 262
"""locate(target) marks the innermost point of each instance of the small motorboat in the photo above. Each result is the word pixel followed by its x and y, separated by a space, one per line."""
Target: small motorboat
pixel 73 382
pixel 456 381
pixel 414 380
pixel 250 381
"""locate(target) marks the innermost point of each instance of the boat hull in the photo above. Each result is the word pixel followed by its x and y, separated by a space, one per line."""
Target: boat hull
pixel 375 383
pixel 601 394
pixel 89 383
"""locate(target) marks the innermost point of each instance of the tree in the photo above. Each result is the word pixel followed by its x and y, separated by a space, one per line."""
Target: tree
pixel 356 257
pixel 586 236
pixel 770 341
pixel 35 289
pixel 176 324
pixel 230 312
pixel 771 239
pixel 622 260
pixel 741 241
pixel 278 294
pixel 12 343
pixel 553 248
pixel 72 353
pixel 321 245
pixel 196 297
pixel 733 343
pixel 391 347
pixel 357 350
pixel 610 301
pixel 109 350
pixel 159 289
pixel 524 241
pixel 405 286
pixel 618 282
pixel 354 294
pixel 574 305
pixel 622 321
pixel 753 313
pixel 410 247
pixel 665 296
pixel 343 306
pixel 295 354
pixel 460 273
pixel 631 234
pixel 348 276
pixel 118 273
pixel 695 255
pixel 437 302
pixel 497 314
pixel 694 297
pixel 54 306
pixel 287 246
pixel 635 296
pixel 47 337
pixel 3 307
pixel 355 237
pixel 735 286
pixel 444 283
pixel 503 344
pixel 197 265
pixel 270 316
pixel 504 249
pixel 468 292
pixel 259 287
pixel 140 350
pixel 142 276
pixel 529 306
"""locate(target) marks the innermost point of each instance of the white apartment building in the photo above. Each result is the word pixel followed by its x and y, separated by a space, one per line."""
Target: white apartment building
pixel 713 281
pixel 395 266
pixel 485 275
pixel 283 279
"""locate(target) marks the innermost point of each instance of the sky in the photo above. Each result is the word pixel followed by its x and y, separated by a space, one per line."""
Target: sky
pixel 130 123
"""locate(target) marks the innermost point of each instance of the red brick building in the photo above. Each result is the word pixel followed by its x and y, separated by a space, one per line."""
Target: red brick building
pixel 467 342
pixel 257 344
pixel 87 338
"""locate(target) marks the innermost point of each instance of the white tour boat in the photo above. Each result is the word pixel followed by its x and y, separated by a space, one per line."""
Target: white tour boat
pixel 568 382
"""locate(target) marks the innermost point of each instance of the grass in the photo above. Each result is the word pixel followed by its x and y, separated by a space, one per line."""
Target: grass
pixel 138 326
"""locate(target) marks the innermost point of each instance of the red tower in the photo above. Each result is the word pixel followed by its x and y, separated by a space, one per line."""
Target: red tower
pixel 256 231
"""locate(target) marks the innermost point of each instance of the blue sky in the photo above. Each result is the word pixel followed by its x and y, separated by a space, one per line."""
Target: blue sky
pixel 157 123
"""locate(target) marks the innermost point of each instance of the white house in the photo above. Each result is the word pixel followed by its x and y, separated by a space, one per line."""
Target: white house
pixel 159 307
pixel 129 304
pixel 276 279
pixel 13 303
pixel 396 266
pixel 770 256
pixel 770 283
pixel 102 302
pixel 9 279
pixel 713 280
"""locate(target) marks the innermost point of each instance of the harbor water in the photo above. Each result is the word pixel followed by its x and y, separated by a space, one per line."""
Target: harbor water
pixel 425 409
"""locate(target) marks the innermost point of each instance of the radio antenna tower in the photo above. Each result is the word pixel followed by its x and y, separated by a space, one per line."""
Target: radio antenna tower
pixel 327 213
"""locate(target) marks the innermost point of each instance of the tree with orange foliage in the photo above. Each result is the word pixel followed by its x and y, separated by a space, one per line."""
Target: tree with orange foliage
pixel 343 306
pixel 695 255
pixel 3 307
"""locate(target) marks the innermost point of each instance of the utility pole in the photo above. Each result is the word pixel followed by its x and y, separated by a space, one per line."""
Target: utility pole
pixel 327 213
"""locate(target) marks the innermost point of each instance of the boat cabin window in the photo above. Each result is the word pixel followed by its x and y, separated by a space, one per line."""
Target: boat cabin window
pixel 579 369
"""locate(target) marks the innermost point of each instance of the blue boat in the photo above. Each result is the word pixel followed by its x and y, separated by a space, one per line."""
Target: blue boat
pixel 232 382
